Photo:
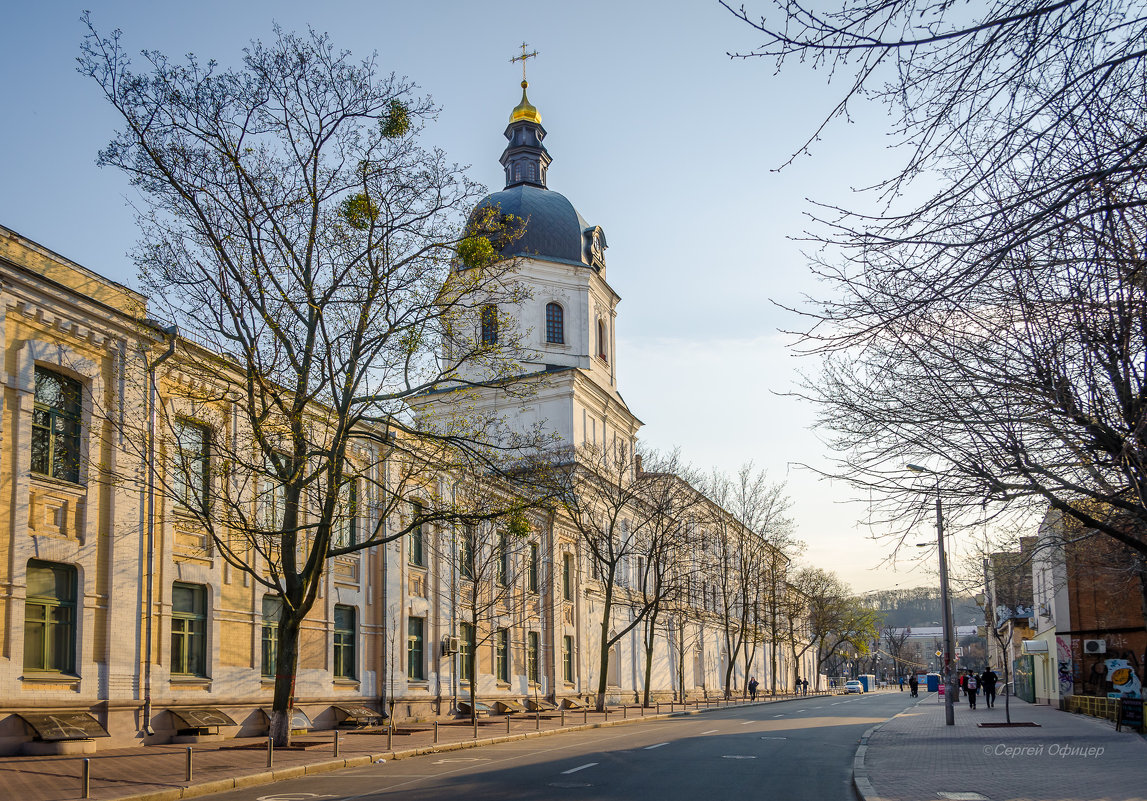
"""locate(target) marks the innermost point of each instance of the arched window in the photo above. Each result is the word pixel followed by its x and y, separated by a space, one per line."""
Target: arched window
pixel 555 324
pixel 601 350
pixel 489 325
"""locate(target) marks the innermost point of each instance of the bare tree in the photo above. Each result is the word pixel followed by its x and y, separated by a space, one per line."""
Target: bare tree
pixel 749 515
pixel 294 226
pixel 671 505
pixel 604 494
pixel 499 569
pixel 999 325
pixel 836 622
pixel 979 93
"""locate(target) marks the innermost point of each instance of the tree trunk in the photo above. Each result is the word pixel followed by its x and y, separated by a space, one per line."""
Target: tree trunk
pixel 604 656
pixel 286 662
pixel 650 632
pixel 681 663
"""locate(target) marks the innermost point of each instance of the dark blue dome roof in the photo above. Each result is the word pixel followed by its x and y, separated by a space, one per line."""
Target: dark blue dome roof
pixel 554 229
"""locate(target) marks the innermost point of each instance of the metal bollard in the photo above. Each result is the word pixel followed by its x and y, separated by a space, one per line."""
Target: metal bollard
pixel 507 723
pixel 563 717
pixel 390 737
pixel 190 773
pixel 643 710
pixel 658 707
pixel 625 713
pixel 270 751
pixel 436 732
pixel 607 714
pixel 585 714
pixel 86 779
pixel 336 742
pixel 537 720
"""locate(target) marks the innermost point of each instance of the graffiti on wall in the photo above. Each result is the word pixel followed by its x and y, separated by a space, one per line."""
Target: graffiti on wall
pixel 1066 665
pixel 1121 676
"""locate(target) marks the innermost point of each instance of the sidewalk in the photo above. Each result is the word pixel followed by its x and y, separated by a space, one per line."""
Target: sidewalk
pixel 1069 757
pixel 158 773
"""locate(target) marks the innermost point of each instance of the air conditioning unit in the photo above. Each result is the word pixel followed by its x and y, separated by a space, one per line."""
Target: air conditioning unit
pixel 450 645
pixel 1095 646
pixel 1034 646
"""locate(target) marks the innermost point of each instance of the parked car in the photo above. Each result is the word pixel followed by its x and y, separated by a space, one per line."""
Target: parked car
pixel 853 686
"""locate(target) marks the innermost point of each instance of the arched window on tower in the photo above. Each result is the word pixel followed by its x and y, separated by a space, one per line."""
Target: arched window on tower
pixel 489 325
pixel 555 324
pixel 530 171
pixel 601 349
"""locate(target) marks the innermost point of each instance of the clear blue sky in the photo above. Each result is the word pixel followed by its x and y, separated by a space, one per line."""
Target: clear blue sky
pixel 656 135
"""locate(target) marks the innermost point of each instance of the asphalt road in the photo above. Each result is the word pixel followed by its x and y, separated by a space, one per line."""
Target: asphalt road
pixel 794 750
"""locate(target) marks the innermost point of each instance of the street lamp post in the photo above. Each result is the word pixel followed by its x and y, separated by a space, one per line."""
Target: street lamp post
pixel 949 630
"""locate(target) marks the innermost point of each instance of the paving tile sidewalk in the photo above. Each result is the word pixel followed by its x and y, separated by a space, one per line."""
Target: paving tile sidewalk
pixel 158 773
pixel 914 756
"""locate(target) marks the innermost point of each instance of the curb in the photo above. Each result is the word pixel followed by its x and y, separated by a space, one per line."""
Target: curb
pixel 298 771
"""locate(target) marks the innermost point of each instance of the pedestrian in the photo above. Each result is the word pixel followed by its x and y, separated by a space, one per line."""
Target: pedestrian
pixel 804 686
pixel 970 687
pixel 753 688
pixel 914 685
pixel 901 683
pixel 988 681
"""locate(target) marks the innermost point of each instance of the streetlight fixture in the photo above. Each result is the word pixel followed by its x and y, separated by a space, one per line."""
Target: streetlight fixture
pixel 949 630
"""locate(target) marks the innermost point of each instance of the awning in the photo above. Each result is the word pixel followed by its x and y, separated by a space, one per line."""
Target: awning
pixel 509 705
pixel 299 719
pixel 464 706
pixel 64 725
pixel 203 717
pixel 540 705
pixel 359 715
pixel 573 703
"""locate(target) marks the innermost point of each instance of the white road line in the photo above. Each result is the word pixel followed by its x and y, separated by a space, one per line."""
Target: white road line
pixel 651 747
pixel 747 722
pixel 579 767
pixel 778 716
pixel 818 707
pixel 711 731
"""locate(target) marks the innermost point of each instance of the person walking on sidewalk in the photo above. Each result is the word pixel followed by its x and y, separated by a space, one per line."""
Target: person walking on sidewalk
pixel 970 687
pixel 914 685
pixel 988 681
pixel 753 688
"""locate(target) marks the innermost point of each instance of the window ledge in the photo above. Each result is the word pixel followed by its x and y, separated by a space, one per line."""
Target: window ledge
pixel 417 684
pixel 347 684
pixel 189 682
pixel 58 483
pixel 50 677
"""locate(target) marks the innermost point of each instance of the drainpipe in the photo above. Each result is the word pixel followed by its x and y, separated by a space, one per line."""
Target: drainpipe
pixel 170 333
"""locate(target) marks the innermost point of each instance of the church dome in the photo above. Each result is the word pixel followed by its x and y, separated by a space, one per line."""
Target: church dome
pixel 554 229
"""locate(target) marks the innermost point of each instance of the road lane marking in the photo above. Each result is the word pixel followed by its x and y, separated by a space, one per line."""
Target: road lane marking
pixel 737 756
pixel 651 747
pixel 818 707
pixel 778 716
pixel 711 731
pixel 747 722
pixel 579 767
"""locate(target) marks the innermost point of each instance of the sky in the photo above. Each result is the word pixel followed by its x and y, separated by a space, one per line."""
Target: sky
pixel 656 134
